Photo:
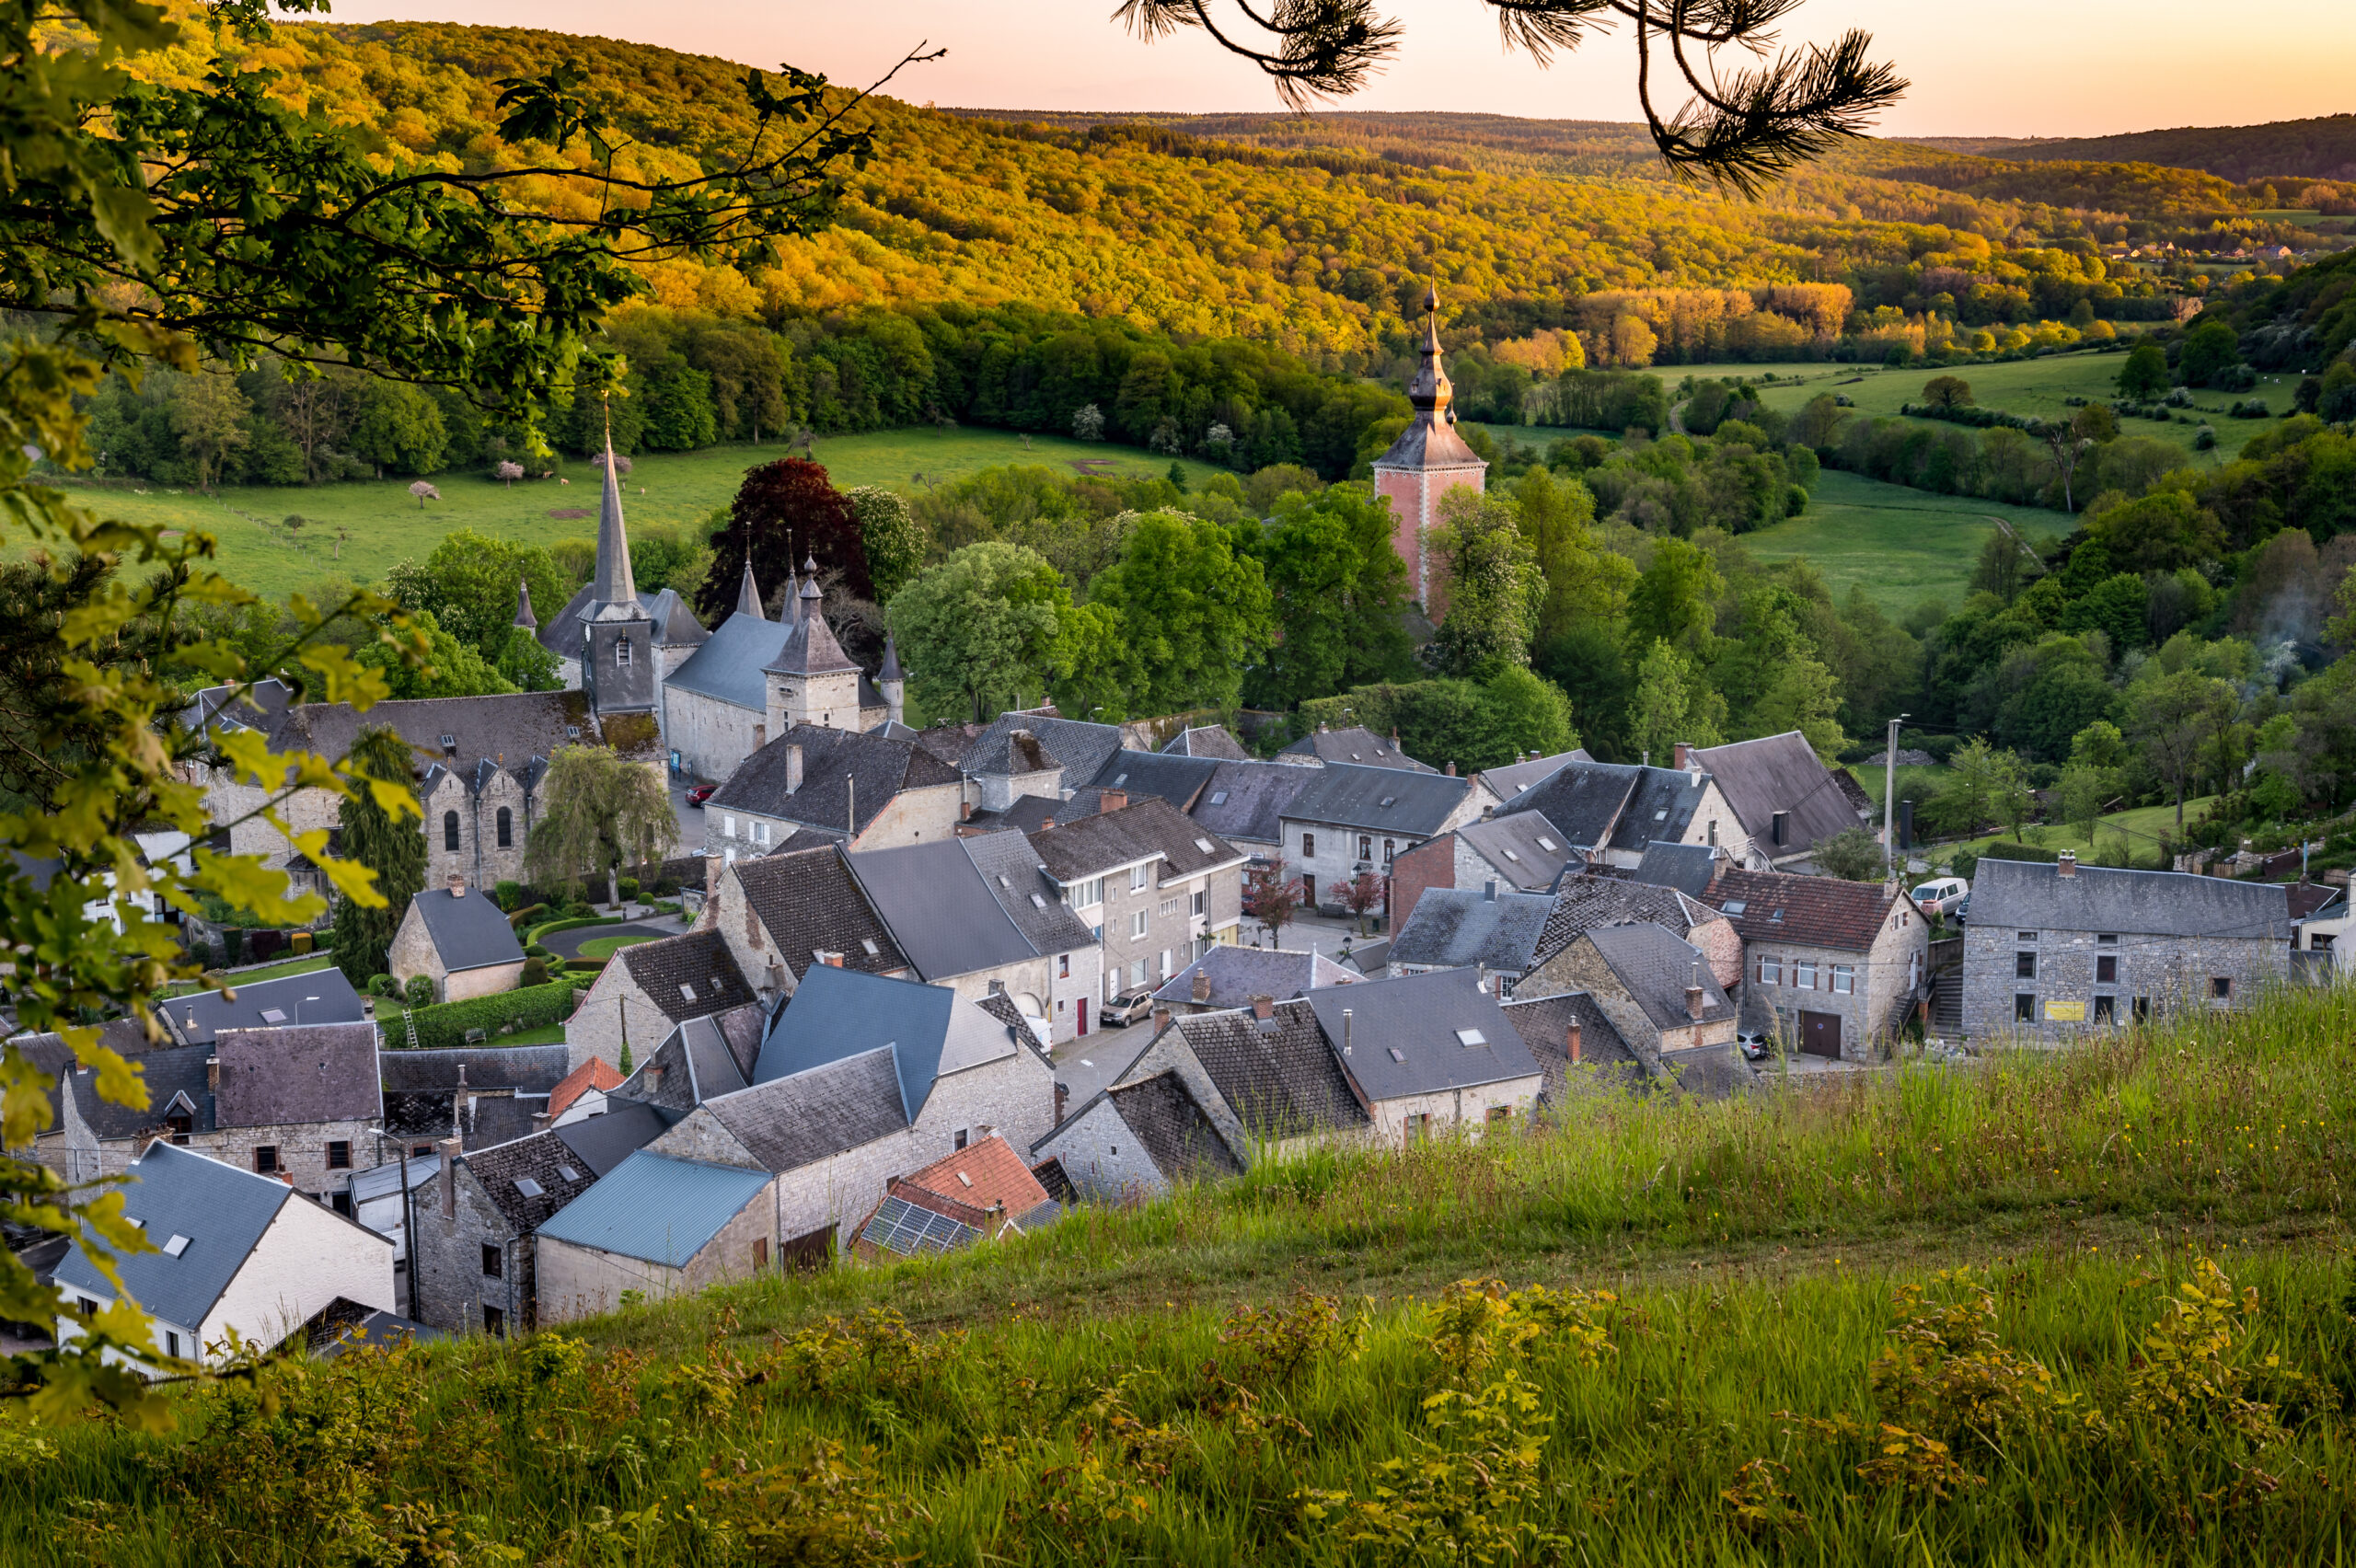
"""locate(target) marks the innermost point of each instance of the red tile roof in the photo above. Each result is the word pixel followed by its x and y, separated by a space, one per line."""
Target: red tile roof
pixel 979 1177
pixel 1777 907
pixel 591 1074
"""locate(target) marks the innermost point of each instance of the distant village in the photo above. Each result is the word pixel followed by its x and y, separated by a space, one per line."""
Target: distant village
pixel 927 988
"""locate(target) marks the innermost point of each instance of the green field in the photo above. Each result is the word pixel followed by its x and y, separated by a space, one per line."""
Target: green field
pixel 2141 826
pixel 1904 546
pixel 2036 387
pixel 359 530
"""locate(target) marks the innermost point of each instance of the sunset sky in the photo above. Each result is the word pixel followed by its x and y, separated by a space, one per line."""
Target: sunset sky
pixel 1993 67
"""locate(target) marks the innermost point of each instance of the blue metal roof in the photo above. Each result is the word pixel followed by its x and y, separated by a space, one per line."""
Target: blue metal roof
pixel 221 1210
pixel 840 1013
pixel 656 1208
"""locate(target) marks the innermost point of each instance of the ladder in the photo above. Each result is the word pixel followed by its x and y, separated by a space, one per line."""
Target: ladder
pixel 410 1019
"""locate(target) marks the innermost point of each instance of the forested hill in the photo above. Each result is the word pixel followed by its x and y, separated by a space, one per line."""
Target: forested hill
pixel 2322 148
pixel 1313 247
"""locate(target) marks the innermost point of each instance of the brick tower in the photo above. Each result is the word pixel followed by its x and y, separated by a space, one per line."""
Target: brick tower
pixel 1428 461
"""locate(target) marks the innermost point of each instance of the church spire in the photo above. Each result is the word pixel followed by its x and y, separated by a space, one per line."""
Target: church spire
pixel 614 582
pixel 1429 392
pixel 524 615
pixel 791 611
pixel 748 596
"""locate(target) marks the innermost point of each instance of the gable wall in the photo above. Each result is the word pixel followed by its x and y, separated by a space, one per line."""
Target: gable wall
pixel 306 1259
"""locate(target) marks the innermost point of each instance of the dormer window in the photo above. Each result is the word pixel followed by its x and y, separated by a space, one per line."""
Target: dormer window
pixel 573 731
pixel 449 745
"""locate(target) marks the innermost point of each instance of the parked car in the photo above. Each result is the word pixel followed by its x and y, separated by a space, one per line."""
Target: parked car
pixel 701 793
pixel 1755 1044
pixel 1941 895
pixel 1131 1005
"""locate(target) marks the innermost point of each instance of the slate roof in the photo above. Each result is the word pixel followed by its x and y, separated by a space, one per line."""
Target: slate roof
pixel 1010 869
pixel 1239 973
pixel 1214 741
pixel 1527 852
pixel 1854 792
pixel 1661 806
pixel 1144 829
pixel 808 902
pixel 222 1210
pixel 1688 867
pixel 1778 773
pixel 656 1208
pixel 1280 1080
pixel 1245 801
pixel 317 996
pixel 1173 1130
pixel 540 1159
pixel 171 1076
pixel 1656 966
pixel 2157 904
pixel 1457 928
pixel 1776 907
pixel 1348 795
pixel 262 707
pixel 836 764
pixel 1516 778
pixel 509 728
pixel 939 912
pixel 1584 798
pixel 810 648
pixel 1406 1039
pixel 1545 1026
pixel 840 1013
pixel 1011 751
pixel 728 667
pixel 606 1140
pixel 1177 779
pixel 689 975
pixel 324 1072
pixel 2309 901
pixel 1028 813
pixel 1356 744
pixel 787 1123
pixel 529 1069
pixel 1082 748
pixel 468 930
pixel 49 1053
pixel 1588 903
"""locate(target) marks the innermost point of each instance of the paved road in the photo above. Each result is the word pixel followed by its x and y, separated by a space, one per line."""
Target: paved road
pixel 567 944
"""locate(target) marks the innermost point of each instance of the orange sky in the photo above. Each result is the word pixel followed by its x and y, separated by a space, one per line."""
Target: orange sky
pixel 1989 67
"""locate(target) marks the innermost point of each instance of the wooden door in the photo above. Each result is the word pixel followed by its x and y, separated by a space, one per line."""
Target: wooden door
pixel 1820 1034
pixel 1082 1005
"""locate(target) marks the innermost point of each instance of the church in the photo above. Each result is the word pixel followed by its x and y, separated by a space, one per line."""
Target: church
pixel 1428 461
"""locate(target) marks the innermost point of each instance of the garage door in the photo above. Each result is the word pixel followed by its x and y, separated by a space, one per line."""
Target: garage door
pixel 1820 1034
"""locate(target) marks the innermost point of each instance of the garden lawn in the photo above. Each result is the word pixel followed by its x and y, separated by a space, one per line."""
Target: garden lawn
pixel 1902 546
pixel 357 531
pixel 605 947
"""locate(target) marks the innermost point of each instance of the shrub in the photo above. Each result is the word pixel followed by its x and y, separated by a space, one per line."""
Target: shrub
pixel 2036 853
pixel 537 1007
pixel 508 894
pixel 421 991
pixel 628 890
pixel 526 915
pixel 383 985
pixel 233 948
pixel 264 946
pixel 535 972
pixel 301 942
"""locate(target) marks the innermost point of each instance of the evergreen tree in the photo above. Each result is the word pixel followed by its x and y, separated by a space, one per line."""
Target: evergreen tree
pixel 389 842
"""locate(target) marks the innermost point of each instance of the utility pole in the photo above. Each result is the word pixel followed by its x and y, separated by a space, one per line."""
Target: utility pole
pixel 1889 799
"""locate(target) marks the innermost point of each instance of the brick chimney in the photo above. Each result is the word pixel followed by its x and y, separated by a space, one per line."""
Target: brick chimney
pixel 1161 1017
pixel 1572 1039
pixel 449 1149
pixel 1063 1098
pixel 965 810
pixel 1263 1008
pixel 1694 996
pixel 2067 864
pixel 457 885
pixel 1451 767
pixel 1202 985
pixel 1680 754
pixel 1112 800
pixel 542 1121
pixel 794 768
pixel 1046 824
pixel 213 1074
pixel 831 960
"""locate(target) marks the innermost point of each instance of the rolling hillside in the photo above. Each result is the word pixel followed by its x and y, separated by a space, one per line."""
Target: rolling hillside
pixel 2323 148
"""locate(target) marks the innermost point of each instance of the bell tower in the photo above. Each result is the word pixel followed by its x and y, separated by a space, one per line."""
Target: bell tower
pixel 1428 461
pixel 617 661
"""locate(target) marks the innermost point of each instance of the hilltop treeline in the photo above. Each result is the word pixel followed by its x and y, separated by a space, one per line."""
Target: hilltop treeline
pixel 2322 148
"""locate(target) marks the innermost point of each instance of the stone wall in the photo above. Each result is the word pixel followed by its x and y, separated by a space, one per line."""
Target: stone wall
pixel 1464 1111
pixel 616 1004
pixel 712 737
pixel 77 1153
pixel 2155 974
pixel 455 1220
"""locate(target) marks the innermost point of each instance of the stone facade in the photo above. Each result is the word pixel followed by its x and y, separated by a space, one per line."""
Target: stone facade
pixel 1331 854
pixel 455 1220
pixel 581 1282
pixel 2080 981
pixel 923 815
pixel 412 952
pixel 301 1151
pixel 1153 929
pixel 1579 967
pixel 1863 990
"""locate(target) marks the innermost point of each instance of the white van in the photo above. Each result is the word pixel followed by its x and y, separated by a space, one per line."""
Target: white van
pixel 1941 894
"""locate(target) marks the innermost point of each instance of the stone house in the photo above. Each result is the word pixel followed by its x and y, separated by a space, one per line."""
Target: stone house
pixel 1135 1140
pixel 1015 875
pixel 317 996
pixel 298 1104
pixel 231 1250
pixel 700 1059
pixel 1583 903
pixel 1783 800
pixel 945 916
pixel 780 914
pixel 1479 928
pixel 1655 988
pixel 477 1216
pixel 1516 777
pixel 1244 802
pixel 820 783
pixel 1609 815
pixel 648 988
pixel 1834 968
pixel 658 1227
pixel 1521 852
pixel 464 945
pixel 1579 1054
pixel 1356 744
pixel 981 1193
pixel 1155 890
pixel 2052 952
pixel 1350 818
pixel 861 1079
pixel 1227 976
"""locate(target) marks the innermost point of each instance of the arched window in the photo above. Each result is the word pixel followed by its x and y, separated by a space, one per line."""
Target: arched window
pixel 450 831
pixel 506 828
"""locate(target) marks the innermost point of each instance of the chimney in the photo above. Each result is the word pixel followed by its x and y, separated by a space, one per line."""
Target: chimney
pixel 1202 985
pixel 652 1073
pixel 1776 830
pixel 834 961
pixel 794 768
pixel 1263 1008
pixel 1063 1098
pixel 542 1121
pixel 449 1149
pixel 1321 727
pixel 1680 754
pixel 965 810
pixel 1451 767
pixel 1489 890
pixel 462 1075
pixel 1046 824
pixel 213 1074
pixel 1346 1031
pixel 1161 1017
pixel 1573 1040
pixel 1481 977
pixel 2068 863
pixel 1112 800
pixel 457 885
pixel 1693 995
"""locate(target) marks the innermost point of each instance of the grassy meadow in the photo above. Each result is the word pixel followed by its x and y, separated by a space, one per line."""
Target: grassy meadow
pixel 1903 546
pixel 359 530
pixel 1656 1331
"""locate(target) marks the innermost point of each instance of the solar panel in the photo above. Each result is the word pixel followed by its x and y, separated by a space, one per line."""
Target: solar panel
pixel 900 1226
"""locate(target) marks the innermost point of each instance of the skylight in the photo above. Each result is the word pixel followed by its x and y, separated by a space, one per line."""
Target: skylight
pixel 1520 787
pixel 1037 902
pixel 1734 906
pixel 1471 1037
pixel 1661 816
pixel 568 1172
pixel 1004 882
pixel 687 990
pixel 1548 845
pixel 869 943
pixel 1397 1054
pixel 176 1246
pixel 1356 757
pixel 1219 797
pixel 1204 845
pixel 1514 858
pixel 527 1186
pixel 1389 802
pixel 272 1015
pixel 1124 779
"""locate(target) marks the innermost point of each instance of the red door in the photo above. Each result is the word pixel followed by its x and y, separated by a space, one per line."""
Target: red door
pixel 1082 1005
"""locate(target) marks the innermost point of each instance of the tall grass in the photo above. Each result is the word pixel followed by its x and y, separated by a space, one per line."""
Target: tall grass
pixel 1157 1385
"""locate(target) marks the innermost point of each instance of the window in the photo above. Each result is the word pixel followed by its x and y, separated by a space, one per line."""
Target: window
pixel 1136 926
pixel 89 1308
pixel 1309 846
pixel 180 1127
pixel 1138 876
pixel 1169 909
pixel 2106 1009
pixel 1418 1127
pixel 494 1321
pixel 1366 846
pixel 341 1202
pixel 1137 972
pixel 265 1159
pixel 493 1263
pixel 1771 972
pixel 339 1154
pixel 727 826
pixel 760 1252
pixel 621 652
pixel 1086 894
pixel 1063 966
pixel 506 828
pixel 2024 966
pixel 2222 988
pixel 1500 1113
pixel 450 831
pixel 2024 1007
pixel 2029 936
pixel 2142 1010
pixel 2109 938
pixel 964 1135
pixel 1843 980
pixel 1713 833
pixel 2107 969
pixel 1390 852
pixel 172 1344
pixel 1804 974
pixel 1201 904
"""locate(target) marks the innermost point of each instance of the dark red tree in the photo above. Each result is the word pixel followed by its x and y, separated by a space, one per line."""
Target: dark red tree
pixel 788 505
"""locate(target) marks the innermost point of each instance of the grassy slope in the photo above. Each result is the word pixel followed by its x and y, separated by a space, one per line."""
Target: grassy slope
pixel 2141 825
pixel 1905 546
pixel 1095 1398
pixel 382 523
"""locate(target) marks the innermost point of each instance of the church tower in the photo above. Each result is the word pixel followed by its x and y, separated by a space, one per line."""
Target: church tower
pixel 1428 461
pixel 810 681
pixel 617 661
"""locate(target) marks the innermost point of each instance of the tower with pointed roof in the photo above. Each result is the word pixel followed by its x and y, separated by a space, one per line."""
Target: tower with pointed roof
pixel 1428 461
pixel 811 680
pixel 748 594
pixel 616 648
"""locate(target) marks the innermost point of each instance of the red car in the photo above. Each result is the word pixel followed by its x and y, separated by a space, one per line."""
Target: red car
pixel 701 793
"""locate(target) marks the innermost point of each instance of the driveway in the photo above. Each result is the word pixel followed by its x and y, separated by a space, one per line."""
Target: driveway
pixel 567 944
pixel 690 818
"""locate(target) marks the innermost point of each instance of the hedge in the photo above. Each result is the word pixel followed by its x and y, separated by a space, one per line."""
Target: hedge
pixel 447 1024
pixel 547 927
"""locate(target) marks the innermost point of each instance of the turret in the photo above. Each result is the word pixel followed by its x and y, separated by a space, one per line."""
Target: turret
pixel 748 596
